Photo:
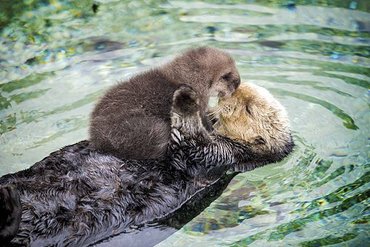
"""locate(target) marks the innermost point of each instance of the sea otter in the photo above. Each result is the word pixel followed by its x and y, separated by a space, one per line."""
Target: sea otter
pixel 132 120
pixel 78 196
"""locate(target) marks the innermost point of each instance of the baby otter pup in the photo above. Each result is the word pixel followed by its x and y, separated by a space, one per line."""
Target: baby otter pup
pixel 132 120
pixel 253 117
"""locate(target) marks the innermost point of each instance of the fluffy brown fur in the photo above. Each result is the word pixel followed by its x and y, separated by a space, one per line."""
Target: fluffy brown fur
pixel 132 120
pixel 254 117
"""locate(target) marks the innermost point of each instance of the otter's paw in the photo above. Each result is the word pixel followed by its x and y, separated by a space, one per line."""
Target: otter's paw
pixel 10 212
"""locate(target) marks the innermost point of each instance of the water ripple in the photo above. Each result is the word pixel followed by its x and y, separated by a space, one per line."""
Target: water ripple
pixel 57 59
pixel 303 15
pixel 348 122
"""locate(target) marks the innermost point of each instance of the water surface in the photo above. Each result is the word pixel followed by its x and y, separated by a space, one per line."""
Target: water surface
pixel 57 58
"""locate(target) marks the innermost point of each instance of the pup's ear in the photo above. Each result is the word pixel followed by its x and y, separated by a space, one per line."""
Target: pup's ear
pixel 185 101
pixel 185 114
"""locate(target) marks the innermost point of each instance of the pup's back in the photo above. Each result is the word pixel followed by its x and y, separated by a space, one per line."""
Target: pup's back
pixel 131 120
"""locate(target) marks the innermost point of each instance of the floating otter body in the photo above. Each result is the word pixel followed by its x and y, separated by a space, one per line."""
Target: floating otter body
pixel 78 196
pixel 132 120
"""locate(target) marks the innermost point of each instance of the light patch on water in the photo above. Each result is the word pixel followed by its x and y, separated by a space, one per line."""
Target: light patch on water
pixel 57 59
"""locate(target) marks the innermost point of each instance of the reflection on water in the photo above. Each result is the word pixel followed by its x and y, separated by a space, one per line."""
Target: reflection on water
pixel 56 60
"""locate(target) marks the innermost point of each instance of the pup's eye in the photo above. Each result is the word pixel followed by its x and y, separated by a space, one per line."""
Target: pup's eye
pixel 227 77
pixel 248 110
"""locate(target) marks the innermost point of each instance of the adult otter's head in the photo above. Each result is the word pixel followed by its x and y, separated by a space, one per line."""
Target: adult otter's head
pixel 207 70
pixel 254 117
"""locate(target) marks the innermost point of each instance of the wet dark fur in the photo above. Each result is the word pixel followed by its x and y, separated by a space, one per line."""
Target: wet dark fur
pixel 78 196
pixel 132 120
pixel 10 212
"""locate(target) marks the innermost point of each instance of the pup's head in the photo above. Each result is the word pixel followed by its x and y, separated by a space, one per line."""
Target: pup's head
pixel 253 116
pixel 207 69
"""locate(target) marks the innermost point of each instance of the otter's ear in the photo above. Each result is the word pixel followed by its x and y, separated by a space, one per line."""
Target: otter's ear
pixel 185 101
pixel 185 115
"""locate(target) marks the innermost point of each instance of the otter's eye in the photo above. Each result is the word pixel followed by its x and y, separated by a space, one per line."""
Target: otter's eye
pixel 227 77
pixel 248 110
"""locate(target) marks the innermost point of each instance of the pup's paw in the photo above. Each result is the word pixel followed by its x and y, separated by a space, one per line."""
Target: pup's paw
pixel 185 101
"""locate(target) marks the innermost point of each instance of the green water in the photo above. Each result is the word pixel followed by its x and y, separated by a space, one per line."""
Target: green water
pixel 58 57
